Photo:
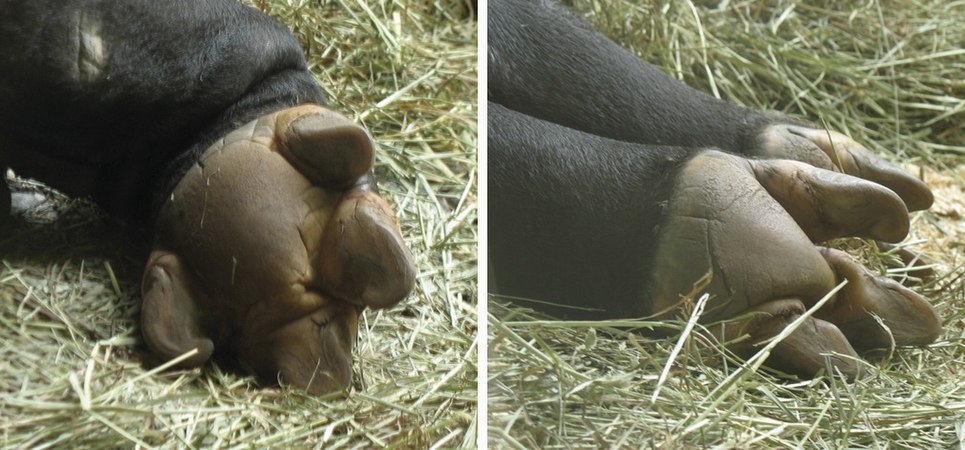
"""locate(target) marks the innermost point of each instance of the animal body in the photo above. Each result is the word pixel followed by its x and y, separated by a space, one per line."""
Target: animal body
pixel 199 120
pixel 615 190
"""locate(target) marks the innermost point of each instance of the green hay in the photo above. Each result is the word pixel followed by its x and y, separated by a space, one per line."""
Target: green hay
pixel 890 74
pixel 70 349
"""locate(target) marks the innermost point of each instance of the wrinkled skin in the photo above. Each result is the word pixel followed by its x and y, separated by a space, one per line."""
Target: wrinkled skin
pixel 270 246
pixel 754 223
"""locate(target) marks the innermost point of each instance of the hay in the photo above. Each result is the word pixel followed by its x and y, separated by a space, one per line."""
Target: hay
pixel 70 372
pixel 890 74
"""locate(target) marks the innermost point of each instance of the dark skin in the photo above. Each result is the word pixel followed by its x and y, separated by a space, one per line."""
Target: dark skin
pixel 615 188
pixel 742 219
pixel 270 245
pixel 199 121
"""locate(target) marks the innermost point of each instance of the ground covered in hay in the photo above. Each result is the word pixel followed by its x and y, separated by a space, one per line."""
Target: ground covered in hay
pixel 70 349
pixel 892 75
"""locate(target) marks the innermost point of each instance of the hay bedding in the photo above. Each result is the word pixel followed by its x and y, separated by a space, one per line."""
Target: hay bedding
pixel 890 74
pixel 70 350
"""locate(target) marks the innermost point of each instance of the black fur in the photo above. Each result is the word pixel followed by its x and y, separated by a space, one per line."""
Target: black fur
pixel 573 217
pixel 575 208
pixel 176 76
pixel 546 62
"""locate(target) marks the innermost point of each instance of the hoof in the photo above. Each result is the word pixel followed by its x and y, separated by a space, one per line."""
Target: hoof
pixel 363 257
pixel 324 146
pixel 830 149
pixel 906 318
pixel 814 346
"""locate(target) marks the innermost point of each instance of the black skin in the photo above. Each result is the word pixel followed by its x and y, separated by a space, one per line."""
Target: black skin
pixel 174 79
pixel 547 63
pixel 198 122
pixel 556 235
pixel 575 213
pixel 562 130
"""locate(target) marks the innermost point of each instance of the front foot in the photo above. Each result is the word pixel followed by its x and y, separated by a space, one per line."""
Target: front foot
pixel 754 225
pixel 282 240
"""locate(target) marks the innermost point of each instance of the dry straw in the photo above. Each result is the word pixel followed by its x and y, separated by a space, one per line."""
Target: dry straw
pixel 70 372
pixel 890 74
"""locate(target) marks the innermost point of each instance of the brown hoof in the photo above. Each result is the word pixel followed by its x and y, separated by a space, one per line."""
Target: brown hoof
pixel 363 259
pixel 313 353
pixel 170 320
pixel 906 318
pixel 853 159
pixel 814 346
pixel 828 204
pixel 324 146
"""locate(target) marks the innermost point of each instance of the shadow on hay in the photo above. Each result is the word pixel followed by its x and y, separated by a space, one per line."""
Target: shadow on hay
pixel 46 227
